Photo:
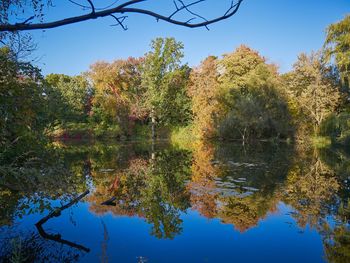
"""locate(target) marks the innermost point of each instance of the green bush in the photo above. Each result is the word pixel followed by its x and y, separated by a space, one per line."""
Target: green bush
pixel 107 131
pixel 183 137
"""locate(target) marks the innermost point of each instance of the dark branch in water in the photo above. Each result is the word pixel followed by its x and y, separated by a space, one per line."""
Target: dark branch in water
pixel 127 8
pixel 57 213
pixel 109 201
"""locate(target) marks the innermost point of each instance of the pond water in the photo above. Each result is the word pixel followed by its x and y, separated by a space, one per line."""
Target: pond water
pixel 138 202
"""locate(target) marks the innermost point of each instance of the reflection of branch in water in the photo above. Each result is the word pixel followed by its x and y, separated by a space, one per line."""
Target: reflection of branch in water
pixel 104 256
pixel 110 201
pixel 57 213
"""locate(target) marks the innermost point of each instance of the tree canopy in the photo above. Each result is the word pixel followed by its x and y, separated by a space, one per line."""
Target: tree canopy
pixel 337 47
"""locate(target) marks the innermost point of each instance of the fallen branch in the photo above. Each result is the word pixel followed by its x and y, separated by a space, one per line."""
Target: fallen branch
pixel 109 201
pixel 57 213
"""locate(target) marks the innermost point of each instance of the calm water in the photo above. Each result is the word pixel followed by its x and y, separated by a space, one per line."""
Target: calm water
pixel 160 203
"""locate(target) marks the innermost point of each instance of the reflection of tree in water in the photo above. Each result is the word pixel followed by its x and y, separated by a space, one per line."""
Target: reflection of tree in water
pixel 30 189
pixel 152 189
pixel 337 235
pixel 41 246
pixel 202 185
pixel 245 212
pixel 31 247
pixel 125 185
pixel 239 186
pixel 318 191
pixel 337 243
pixel 310 189
pixel 339 160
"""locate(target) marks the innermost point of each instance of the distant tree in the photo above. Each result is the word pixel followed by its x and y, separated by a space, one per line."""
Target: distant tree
pixel 337 47
pixel 244 120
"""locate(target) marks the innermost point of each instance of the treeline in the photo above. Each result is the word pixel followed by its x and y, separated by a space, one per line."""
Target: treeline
pixel 237 96
pixel 119 99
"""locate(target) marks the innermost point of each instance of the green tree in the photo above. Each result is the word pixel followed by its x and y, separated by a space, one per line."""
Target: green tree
pixel 165 79
pixel 71 96
pixel 23 104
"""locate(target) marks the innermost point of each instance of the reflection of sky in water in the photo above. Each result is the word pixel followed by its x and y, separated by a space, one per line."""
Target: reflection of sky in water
pixel 203 240
pixel 240 211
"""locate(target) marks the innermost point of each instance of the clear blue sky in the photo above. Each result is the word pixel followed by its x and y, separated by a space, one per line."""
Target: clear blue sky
pixel 278 29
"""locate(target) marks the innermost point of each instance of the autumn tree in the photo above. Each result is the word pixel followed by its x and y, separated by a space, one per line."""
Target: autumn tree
pixel 117 91
pixel 312 89
pixel 252 103
pixel 204 91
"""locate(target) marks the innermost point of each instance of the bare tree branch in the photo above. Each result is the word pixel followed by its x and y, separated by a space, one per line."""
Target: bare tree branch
pixel 96 8
pixel 192 13
pixel 92 6
pixel 127 8
pixel 120 21
pixel 27 20
pixel 178 9
pixel 83 6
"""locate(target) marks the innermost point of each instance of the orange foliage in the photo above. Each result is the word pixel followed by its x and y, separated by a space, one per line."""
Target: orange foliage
pixel 203 90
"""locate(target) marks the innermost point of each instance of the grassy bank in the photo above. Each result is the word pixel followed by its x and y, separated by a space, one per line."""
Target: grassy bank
pixel 85 131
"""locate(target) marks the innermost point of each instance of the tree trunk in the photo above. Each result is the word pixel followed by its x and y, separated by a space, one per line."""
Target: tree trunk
pixel 243 136
pixel 153 124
